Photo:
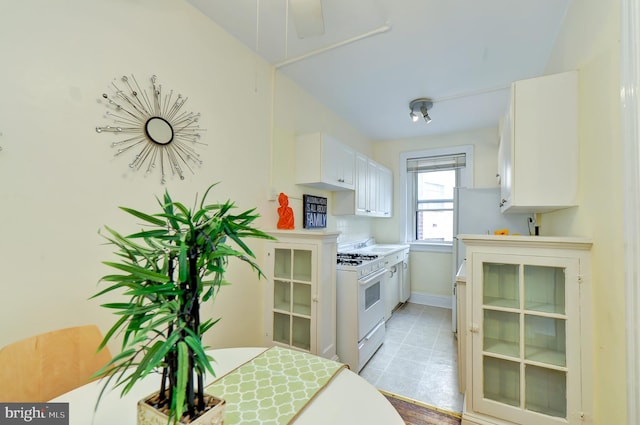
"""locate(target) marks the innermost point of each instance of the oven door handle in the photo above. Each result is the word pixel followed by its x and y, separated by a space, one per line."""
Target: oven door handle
pixel 373 276
pixel 370 334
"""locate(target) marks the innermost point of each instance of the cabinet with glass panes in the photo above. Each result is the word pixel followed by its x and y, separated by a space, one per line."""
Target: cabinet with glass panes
pixel 528 320
pixel 300 311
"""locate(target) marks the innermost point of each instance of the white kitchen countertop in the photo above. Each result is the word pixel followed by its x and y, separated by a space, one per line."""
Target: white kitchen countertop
pixel 383 249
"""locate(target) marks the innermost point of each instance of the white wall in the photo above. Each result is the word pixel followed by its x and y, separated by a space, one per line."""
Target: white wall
pixel 59 180
pixel 431 273
pixel 589 42
pixel 295 112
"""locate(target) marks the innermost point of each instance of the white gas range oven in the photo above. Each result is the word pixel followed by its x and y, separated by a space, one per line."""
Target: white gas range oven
pixel 397 283
pixel 360 307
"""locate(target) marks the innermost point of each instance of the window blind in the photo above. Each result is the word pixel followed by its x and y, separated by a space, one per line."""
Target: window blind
pixel 435 163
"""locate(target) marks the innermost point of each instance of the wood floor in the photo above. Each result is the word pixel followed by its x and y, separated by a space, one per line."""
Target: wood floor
pixel 415 413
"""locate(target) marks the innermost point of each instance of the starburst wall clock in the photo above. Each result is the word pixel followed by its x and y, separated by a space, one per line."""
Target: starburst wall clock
pixel 157 132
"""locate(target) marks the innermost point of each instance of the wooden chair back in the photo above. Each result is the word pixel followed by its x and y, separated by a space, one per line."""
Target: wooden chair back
pixel 42 367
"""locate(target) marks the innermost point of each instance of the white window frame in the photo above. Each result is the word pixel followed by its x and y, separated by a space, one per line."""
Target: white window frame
pixel 406 193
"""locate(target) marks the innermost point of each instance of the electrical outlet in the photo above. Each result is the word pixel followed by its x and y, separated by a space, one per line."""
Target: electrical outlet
pixel 273 194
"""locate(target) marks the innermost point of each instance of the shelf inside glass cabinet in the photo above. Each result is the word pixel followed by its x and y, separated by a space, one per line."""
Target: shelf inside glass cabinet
pixel 301 334
pixel 301 298
pixel 501 285
pixel 545 340
pixel 281 328
pixel 282 263
pixel 501 380
pixel 546 391
pixel 302 265
pixel 501 333
pixel 282 295
pixel 544 289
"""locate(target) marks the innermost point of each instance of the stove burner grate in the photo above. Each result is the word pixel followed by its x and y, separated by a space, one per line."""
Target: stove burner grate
pixel 356 256
pixel 346 262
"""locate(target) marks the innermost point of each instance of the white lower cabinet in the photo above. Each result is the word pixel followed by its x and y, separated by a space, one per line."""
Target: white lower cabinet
pixel 527 327
pixel 301 292
pixel 394 263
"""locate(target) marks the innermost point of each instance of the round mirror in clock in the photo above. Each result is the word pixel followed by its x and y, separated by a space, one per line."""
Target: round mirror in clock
pixel 158 133
pixel 159 130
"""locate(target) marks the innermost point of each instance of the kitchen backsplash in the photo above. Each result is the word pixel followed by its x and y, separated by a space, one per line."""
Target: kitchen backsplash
pixel 353 228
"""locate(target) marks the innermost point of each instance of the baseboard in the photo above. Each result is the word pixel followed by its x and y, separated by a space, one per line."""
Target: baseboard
pixel 471 419
pixel 443 301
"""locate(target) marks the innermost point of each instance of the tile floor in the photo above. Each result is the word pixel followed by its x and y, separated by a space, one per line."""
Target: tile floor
pixel 418 358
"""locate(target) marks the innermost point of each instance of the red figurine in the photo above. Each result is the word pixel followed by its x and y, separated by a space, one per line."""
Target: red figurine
pixel 285 213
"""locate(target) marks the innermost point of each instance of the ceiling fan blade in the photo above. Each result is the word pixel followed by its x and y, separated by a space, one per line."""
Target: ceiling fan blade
pixel 307 17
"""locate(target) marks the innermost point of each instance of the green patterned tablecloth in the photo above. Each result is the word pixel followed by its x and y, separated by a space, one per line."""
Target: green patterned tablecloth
pixel 273 387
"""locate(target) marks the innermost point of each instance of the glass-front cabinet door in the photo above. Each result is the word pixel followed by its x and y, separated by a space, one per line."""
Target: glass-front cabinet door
pixel 526 337
pixel 293 308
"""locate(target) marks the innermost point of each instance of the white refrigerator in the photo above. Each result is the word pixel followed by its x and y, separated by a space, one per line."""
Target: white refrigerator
pixel 477 211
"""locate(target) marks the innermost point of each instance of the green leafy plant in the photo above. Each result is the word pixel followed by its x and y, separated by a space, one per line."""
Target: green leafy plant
pixel 167 271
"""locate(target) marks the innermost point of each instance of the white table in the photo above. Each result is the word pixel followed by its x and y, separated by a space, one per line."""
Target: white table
pixel 348 399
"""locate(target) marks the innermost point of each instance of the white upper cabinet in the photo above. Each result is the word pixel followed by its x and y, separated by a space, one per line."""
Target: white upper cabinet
pixel 385 192
pixel 343 202
pixel 373 191
pixel 373 183
pixel 324 163
pixel 538 154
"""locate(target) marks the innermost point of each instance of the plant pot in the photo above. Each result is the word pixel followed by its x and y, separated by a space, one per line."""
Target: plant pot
pixel 150 415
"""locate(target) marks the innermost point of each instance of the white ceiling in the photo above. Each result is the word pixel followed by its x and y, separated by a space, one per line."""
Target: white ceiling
pixel 375 56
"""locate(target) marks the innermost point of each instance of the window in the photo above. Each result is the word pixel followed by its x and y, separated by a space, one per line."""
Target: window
pixel 434 206
pixel 430 178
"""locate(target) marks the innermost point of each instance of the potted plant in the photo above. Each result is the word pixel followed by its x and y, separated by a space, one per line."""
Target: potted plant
pixel 167 271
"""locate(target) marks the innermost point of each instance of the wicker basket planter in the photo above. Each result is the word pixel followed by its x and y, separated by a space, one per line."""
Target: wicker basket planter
pixel 149 415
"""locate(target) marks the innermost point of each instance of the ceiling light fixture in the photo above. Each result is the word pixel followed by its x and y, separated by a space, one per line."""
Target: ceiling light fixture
pixel 420 107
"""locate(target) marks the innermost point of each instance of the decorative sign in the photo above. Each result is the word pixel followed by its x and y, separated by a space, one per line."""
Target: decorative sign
pixel 314 211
